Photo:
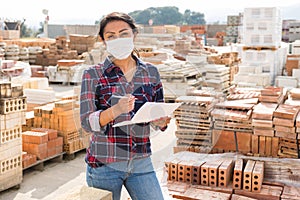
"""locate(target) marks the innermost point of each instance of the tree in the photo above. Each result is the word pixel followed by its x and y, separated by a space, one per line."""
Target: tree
pixel 159 15
pixel 191 18
pixel 167 15
pixel 41 29
pixel 142 17
pixel 26 32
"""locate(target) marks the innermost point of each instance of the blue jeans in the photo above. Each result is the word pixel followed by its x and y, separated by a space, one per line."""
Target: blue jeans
pixel 137 175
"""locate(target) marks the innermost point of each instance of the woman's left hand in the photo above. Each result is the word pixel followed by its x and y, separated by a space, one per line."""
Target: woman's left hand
pixel 162 122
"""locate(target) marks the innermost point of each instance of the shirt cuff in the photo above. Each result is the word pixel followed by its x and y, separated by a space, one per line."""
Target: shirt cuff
pixel 95 122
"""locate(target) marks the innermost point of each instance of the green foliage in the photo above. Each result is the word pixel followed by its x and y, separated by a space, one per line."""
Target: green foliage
pixel 26 32
pixel 168 15
pixel 41 29
pixel 191 17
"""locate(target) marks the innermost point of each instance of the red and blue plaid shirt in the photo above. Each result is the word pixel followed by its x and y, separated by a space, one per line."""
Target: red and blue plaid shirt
pixel 100 84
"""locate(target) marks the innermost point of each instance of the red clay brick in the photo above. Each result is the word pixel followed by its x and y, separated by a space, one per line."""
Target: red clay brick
pixel 238 174
pixel 40 150
pixel 52 133
pixel 34 137
pixel 59 141
pixel 247 175
pixel 51 144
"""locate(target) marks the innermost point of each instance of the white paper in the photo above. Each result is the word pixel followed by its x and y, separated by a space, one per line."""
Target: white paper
pixel 151 111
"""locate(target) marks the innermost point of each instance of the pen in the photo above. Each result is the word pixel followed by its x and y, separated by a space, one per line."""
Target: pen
pixel 119 97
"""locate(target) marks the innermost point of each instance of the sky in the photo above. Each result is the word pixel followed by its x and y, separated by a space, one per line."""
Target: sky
pixel 88 11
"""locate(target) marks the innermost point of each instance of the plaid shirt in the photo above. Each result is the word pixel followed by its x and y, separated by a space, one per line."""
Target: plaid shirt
pixel 100 84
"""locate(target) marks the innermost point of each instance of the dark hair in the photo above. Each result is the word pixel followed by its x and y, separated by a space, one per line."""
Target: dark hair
pixel 116 16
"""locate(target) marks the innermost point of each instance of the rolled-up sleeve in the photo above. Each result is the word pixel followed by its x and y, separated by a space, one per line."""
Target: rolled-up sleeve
pixel 89 114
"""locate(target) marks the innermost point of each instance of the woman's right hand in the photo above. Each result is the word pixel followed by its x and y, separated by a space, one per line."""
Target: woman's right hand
pixel 126 104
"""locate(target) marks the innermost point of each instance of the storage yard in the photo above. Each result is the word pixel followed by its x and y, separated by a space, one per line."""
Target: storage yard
pixel 235 136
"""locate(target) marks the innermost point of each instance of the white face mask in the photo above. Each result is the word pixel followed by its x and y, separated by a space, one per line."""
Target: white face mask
pixel 120 48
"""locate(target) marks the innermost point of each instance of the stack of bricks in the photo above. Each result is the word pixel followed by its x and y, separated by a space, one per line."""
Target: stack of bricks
pixel 182 46
pixel 217 77
pixel 12 116
pixel 48 56
pixel 253 176
pixel 178 78
pixel 28 160
pixel 35 143
pixel 42 116
pixel 55 142
pixel 284 121
pixel 272 94
pixel 55 51
pixel 222 173
pixel 63 48
pixel 232 127
pixel 261 36
pixel 194 123
pixel 62 116
pixel 209 173
pixel 263 141
pixel 66 120
pixel 81 43
pixel 38 42
pixel 193 176
pixel 253 185
pixel 43 143
pixel 230 59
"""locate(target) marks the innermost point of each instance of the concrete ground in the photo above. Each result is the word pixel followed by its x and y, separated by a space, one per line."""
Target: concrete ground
pixel 60 178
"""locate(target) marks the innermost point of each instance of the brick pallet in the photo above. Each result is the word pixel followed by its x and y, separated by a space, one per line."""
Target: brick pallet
pixel 248 177
pixel 257 122
pixel 194 122
pixel 217 77
pixel 179 77
pixel 12 117
pixel 62 116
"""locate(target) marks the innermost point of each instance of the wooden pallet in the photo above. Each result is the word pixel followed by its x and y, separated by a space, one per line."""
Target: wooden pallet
pixel 40 164
pixel 196 110
pixel 249 95
pixel 198 142
pixel 235 115
pixel 260 48
pixel 203 101
pixel 195 120
pixel 289 148
pixel 188 124
pixel 199 135
pixel 232 126
pixel 234 105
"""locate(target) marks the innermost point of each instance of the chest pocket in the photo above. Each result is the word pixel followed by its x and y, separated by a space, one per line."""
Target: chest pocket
pixel 104 93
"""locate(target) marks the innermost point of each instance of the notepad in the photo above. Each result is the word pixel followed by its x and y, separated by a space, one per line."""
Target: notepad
pixel 151 111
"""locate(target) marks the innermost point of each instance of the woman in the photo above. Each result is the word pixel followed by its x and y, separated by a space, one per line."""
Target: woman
pixel 112 92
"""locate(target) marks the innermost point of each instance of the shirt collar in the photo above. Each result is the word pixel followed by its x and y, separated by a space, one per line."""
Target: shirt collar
pixel 109 65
